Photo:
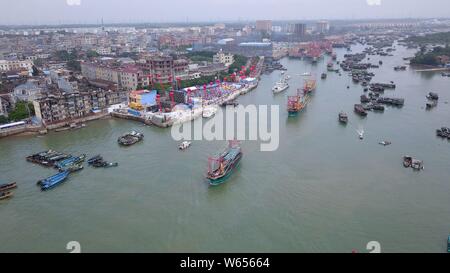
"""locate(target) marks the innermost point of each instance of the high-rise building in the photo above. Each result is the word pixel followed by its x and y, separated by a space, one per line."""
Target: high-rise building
pixel 299 30
pixel 264 25
pixel 322 26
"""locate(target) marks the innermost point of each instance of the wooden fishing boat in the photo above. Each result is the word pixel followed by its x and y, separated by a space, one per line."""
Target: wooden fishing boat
pixel 9 186
pixel 6 195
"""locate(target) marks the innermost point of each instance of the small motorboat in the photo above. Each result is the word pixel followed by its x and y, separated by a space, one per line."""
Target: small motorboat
pixel 306 74
pixel 9 186
pixel 343 118
pixel 360 134
pixel 111 165
pixel 417 164
pixel 407 161
pixel 385 143
pixel 6 195
pixel 184 145
pixel 94 159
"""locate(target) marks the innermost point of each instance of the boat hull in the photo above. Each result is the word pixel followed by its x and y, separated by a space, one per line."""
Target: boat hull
pixel 215 181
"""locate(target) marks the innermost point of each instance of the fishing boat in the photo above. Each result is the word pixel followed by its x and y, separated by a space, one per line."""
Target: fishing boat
pixel 6 195
pixel 53 181
pixel 330 66
pixel 72 168
pixel 74 160
pixel 280 87
pixel 94 159
pixel 323 76
pixel 431 104
pixel 359 109
pixel 343 118
pixel 297 103
pixel 309 86
pixel 385 143
pixel 433 96
pixel 184 145
pixel 9 186
pixel 221 167
pixel 306 74
pixel 407 160
pixel 130 138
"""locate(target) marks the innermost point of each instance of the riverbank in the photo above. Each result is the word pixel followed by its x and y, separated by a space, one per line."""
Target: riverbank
pixel 43 129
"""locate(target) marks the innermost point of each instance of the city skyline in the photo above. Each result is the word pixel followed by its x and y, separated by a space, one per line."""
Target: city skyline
pixel 54 12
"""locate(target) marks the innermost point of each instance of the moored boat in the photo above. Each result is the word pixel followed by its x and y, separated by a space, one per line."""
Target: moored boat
pixel 9 186
pixel 6 195
pixel 93 159
pixel 53 181
pixel 359 109
pixel 74 160
pixel 221 167
pixel 343 118
pixel 130 138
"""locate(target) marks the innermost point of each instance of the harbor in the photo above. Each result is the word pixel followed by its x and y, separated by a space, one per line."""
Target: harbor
pixel 162 194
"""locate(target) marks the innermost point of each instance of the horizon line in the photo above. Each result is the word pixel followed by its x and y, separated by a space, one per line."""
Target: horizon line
pixel 238 21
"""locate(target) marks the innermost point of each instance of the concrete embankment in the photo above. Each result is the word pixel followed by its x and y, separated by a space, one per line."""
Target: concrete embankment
pixel 43 129
pixel 22 130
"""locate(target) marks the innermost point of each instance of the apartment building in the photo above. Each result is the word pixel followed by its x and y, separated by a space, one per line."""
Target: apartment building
pixel 223 58
pixel 61 107
pixel 128 78
pixel 16 65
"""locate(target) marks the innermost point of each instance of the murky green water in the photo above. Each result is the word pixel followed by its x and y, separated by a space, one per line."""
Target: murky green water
pixel 323 190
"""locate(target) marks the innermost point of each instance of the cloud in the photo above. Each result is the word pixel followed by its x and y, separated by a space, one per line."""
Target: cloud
pixel 374 2
pixel 73 2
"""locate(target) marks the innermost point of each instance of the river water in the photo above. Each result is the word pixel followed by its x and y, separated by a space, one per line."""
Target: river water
pixel 323 190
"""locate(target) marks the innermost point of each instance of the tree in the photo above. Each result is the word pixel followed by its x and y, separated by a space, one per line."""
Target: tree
pixel 22 111
pixel 3 120
pixel 92 54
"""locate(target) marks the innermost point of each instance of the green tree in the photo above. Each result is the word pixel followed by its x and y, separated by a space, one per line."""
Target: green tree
pixel 92 54
pixel 3 120
pixel 22 111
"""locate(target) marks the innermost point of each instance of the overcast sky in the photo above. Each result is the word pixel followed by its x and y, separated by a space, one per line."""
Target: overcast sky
pixel 134 11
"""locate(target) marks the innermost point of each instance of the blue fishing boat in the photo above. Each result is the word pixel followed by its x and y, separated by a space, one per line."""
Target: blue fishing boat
pixel 220 168
pixel 54 180
pixel 70 161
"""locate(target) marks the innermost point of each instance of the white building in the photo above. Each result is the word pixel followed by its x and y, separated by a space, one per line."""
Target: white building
pixel 29 91
pixel 103 50
pixel 223 58
pixel 323 26
pixel 12 65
